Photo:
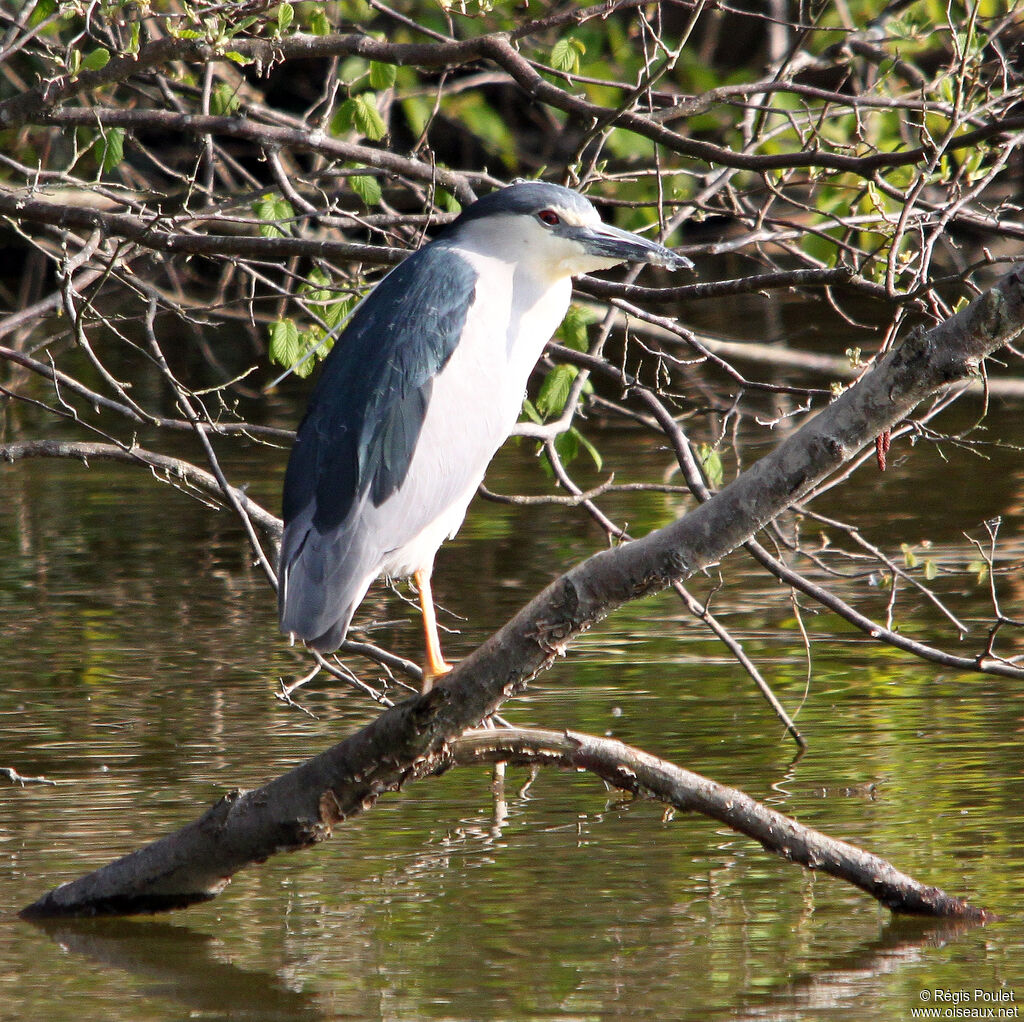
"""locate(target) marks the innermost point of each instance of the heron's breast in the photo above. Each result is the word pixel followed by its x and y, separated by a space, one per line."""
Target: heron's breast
pixel 513 315
pixel 474 402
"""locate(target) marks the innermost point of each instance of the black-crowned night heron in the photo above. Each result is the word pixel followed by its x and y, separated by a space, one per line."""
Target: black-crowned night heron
pixel 418 393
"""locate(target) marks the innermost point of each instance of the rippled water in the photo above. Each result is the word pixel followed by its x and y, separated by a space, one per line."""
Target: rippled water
pixel 140 657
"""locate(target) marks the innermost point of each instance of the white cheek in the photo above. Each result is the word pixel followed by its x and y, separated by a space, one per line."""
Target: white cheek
pixel 581 262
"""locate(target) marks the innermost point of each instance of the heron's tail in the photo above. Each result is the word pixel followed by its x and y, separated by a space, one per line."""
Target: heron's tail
pixel 321 582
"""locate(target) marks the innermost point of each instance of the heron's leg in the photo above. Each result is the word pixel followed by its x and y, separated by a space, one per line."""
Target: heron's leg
pixel 436 664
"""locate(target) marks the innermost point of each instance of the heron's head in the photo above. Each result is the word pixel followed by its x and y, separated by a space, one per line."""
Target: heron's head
pixel 554 229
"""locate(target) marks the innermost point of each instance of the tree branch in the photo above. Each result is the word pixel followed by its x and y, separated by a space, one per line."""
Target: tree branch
pixel 38 104
pixel 647 776
pixel 167 469
pixel 270 135
pixel 501 51
pixel 247 827
pixel 411 740
pixel 169 234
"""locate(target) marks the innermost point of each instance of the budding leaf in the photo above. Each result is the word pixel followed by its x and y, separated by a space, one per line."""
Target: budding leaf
pixel 285 348
pixel 382 76
pixel 96 59
pixel 113 149
pixel 367 117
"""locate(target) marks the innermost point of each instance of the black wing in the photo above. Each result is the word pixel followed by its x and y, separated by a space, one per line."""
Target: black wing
pixel 367 409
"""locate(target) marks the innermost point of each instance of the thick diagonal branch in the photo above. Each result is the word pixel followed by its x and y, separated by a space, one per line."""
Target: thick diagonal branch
pixel 411 739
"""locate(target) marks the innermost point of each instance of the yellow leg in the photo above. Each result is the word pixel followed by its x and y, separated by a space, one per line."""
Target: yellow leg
pixel 436 664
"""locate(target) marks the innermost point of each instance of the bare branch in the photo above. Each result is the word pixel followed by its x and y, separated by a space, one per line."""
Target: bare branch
pixel 165 468
pixel 649 777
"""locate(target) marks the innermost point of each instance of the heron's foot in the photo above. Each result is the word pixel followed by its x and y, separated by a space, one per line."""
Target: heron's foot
pixel 432 670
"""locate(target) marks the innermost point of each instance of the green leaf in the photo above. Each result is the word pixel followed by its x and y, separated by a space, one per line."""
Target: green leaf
pixel 318 23
pixel 382 76
pixel 531 412
pixel 594 453
pixel 447 201
pixel 909 557
pixel 356 10
pixel 270 209
pixel 224 100
pixel 41 12
pixel 297 350
pixel 711 463
pixel 96 59
pixel 316 289
pixel 323 301
pixel 308 340
pixel 567 445
pixel 980 569
pixel 317 278
pixel 573 330
pixel 343 120
pixel 566 53
pixel 285 16
pixel 554 391
pixel 367 118
pixel 367 188
pixel 352 69
pixel 239 58
pixel 113 149
pixel 360 113
pixel 487 124
pixel 338 311
pixel 240 26
pixel 561 55
pixel 417 113
pixel 285 349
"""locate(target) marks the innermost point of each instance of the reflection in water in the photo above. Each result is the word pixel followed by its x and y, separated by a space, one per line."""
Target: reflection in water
pixel 839 982
pixel 182 967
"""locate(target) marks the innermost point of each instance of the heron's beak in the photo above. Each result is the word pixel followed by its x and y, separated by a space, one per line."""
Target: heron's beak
pixel 609 242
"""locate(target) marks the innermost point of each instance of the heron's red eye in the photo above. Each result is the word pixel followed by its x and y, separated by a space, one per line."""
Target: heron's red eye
pixel 549 217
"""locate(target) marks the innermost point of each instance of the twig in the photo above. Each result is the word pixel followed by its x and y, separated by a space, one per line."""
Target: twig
pixel 165 468
pixel 15 778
